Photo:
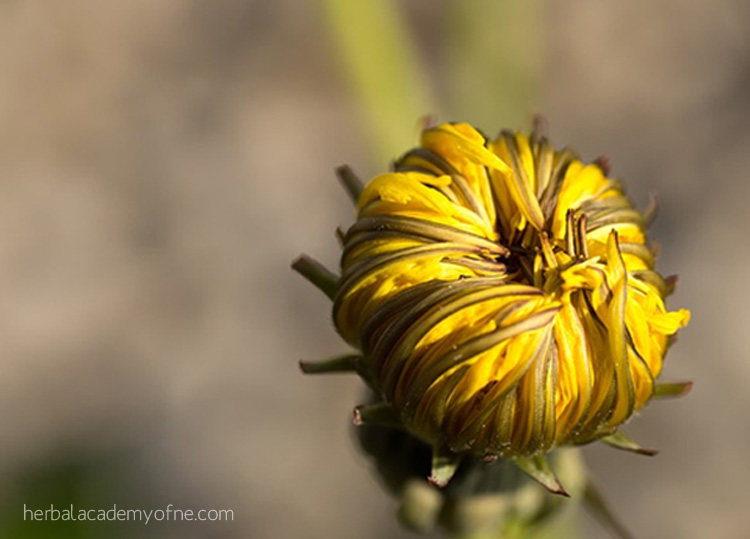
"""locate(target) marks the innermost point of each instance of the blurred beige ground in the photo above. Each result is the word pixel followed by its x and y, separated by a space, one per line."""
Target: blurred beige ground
pixel 161 163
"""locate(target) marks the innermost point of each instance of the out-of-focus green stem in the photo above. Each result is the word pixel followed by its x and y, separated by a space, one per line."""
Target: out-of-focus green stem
pixel 383 69
pixel 494 54
pixel 566 525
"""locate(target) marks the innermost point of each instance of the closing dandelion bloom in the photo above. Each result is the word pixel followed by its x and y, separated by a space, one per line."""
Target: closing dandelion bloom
pixel 503 298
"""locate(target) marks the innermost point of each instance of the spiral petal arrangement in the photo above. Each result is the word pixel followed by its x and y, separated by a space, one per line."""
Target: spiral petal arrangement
pixel 503 295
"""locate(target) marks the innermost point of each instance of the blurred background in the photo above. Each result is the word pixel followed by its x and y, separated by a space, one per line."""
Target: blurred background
pixel 162 163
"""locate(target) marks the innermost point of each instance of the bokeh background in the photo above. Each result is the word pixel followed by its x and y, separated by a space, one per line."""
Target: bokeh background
pixel 162 163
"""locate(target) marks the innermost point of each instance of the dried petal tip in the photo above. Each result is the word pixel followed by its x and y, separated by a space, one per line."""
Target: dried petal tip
pixel 539 470
pixel 428 121
pixel 652 209
pixel 444 466
pixel 540 125
pixel 604 163
pixel 620 440
pixel 672 389
pixel 671 284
